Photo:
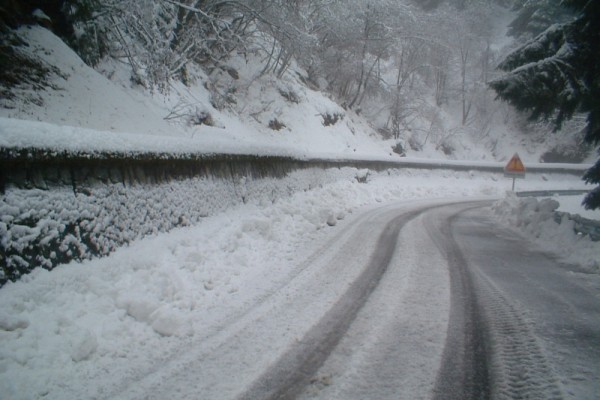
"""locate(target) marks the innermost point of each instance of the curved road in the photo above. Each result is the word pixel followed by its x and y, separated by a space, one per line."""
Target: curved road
pixel 521 325
pixel 425 300
pixel 540 318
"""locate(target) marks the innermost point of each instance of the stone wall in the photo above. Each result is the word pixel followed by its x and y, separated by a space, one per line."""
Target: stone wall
pixel 58 207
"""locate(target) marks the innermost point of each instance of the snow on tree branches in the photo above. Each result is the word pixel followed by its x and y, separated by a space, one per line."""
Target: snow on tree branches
pixel 557 74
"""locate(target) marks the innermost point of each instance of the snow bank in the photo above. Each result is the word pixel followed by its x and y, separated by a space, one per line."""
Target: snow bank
pixel 22 134
pixel 49 227
pixel 538 221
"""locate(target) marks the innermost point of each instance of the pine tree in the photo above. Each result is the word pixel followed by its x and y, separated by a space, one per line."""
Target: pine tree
pixel 535 16
pixel 557 74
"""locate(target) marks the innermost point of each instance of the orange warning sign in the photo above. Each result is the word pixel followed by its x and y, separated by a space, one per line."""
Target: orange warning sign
pixel 515 166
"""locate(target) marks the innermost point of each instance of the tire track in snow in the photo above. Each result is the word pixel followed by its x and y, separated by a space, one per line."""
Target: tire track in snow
pixel 227 363
pixel 464 370
pixel 519 368
pixel 394 347
pixel 294 369
pixel 504 359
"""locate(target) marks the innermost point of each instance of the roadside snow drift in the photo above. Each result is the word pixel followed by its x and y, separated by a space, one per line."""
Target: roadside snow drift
pixel 536 219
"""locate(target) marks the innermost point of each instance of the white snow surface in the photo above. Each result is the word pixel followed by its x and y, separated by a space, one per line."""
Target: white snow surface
pixel 85 328
pixel 106 111
pixel 101 109
pixel 535 219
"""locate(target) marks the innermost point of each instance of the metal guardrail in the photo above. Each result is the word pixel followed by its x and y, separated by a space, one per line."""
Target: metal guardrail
pixel 583 226
pixel 42 168
pixel 549 193
pixel 45 170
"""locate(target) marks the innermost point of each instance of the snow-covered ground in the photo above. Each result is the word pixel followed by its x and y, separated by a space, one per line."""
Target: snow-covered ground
pixel 84 102
pixel 102 108
pixel 535 219
pixel 85 327
pixel 80 330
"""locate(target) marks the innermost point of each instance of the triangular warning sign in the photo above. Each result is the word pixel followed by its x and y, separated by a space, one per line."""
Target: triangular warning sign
pixel 515 166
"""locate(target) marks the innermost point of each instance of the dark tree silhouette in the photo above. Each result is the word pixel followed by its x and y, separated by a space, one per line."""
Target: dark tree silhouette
pixel 557 74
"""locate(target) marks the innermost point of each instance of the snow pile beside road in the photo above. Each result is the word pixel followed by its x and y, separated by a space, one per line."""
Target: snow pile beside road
pixel 536 219
pixel 50 227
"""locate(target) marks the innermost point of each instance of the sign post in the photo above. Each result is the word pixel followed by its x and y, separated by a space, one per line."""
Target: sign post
pixel 514 169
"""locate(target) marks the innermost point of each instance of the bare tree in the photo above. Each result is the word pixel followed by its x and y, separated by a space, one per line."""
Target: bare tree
pixel 410 58
pixel 159 38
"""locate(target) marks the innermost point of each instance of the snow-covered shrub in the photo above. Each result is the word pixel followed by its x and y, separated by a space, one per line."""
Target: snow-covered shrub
pixel 332 118
pixel 414 143
pixel 399 148
pixel 191 114
pixel 362 175
pixel 290 95
pixel 202 117
pixel 276 125
pixel 221 97
pixel 447 147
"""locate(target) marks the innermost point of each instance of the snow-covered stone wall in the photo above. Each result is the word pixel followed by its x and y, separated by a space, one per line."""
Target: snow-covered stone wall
pixel 57 206
pixel 56 213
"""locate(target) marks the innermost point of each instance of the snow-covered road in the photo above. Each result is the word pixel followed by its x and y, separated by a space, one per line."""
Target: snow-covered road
pixel 214 310
pixel 541 315
pixel 275 349
pixel 393 349
pixel 472 310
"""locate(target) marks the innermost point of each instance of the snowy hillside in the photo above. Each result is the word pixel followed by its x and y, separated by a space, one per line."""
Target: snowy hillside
pixel 307 79
pixel 255 114
pixel 80 96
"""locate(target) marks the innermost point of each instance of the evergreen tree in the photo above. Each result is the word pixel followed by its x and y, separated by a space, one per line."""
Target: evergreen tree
pixel 557 74
pixel 535 16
